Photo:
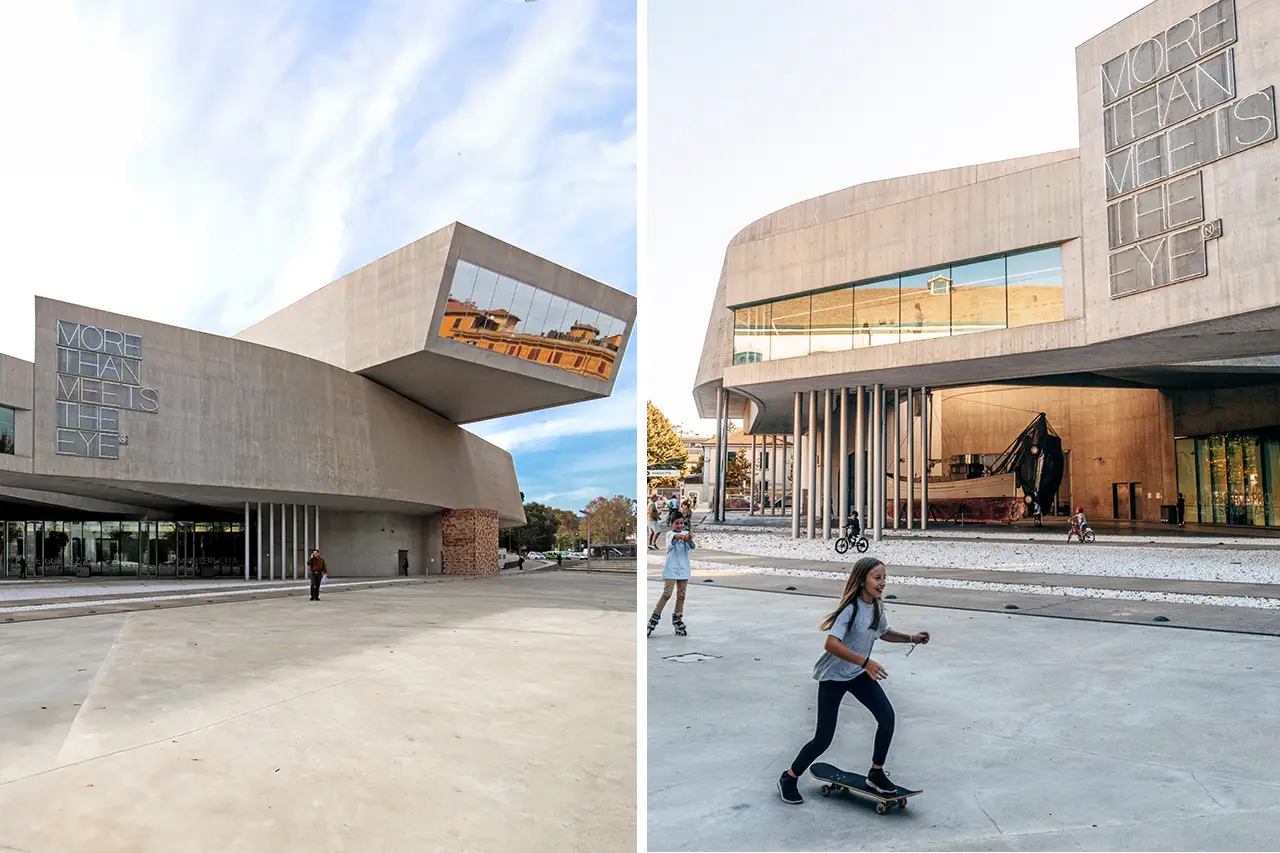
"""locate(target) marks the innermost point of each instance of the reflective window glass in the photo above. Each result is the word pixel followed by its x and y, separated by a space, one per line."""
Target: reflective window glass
pixel 555 315
pixel 789 328
pixel 486 284
pixel 875 313
pixel 1035 287
pixel 514 318
pixel 926 304
pixel 536 314
pixel 520 306
pixel 977 296
pixel 464 281
pixel 6 430
pixel 832 325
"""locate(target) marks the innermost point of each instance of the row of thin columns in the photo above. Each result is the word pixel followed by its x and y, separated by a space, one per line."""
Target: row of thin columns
pixel 873 439
pixel 308 542
pixel 767 464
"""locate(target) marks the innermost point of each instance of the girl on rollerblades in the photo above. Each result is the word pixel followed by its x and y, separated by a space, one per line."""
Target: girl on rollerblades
pixel 846 667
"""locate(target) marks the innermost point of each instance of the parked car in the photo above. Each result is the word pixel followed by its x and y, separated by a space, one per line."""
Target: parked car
pixel 736 502
pixel 534 555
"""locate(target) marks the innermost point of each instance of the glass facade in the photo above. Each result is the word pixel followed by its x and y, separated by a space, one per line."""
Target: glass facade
pixel 6 430
pixel 498 313
pixel 207 549
pixel 1018 289
pixel 1232 478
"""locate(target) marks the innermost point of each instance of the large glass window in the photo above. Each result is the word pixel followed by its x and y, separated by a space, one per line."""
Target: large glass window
pixel 503 315
pixel 978 296
pixel 1232 478
pixel 789 332
pixel 6 430
pixel 876 313
pixel 1035 287
pixel 926 304
pixel 832 321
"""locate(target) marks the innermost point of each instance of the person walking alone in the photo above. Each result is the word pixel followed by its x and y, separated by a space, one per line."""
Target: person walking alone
pixel 319 571
pixel 1182 510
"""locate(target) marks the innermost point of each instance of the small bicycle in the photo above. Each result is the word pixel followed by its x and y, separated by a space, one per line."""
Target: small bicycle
pixel 1086 535
pixel 859 542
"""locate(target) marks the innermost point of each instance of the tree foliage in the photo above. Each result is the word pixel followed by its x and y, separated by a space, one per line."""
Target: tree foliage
pixel 663 446
pixel 539 530
pixel 613 520
pixel 738 471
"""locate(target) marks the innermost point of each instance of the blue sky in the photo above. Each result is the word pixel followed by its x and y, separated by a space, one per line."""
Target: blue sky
pixel 206 165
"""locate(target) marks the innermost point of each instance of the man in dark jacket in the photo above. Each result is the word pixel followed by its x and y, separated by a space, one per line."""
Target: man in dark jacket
pixel 318 573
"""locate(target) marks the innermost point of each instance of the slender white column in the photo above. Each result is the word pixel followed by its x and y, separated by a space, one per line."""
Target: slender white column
pixel 877 489
pixel 271 544
pixel 897 455
pixel 795 468
pixel 317 527
pixel 843 484
pixel 751 499
pixel 259 540
pixel 306 535
pixel 859 463
pixel 246 540
pixel 924 458
pixel 295 542
pixel 826 464
pixel 911 458
pixel 811 464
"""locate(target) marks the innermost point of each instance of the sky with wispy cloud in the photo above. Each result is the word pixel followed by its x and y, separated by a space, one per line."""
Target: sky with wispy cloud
pixel 208 164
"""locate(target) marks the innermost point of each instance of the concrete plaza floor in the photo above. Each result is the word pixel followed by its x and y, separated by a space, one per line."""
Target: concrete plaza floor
pixel 480 714
pixel 1025 734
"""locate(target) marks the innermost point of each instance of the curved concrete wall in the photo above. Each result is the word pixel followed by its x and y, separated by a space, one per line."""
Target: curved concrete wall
pixel 238 421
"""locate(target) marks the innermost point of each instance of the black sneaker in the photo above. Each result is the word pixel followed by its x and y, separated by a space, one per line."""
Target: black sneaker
pixel 788 789
pixel 678 624
pixel 653 622
pixel 878 780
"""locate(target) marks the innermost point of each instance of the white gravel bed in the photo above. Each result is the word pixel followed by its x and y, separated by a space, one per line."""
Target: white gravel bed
pixel 1200 564
pixel 994 531
pixel 1033 589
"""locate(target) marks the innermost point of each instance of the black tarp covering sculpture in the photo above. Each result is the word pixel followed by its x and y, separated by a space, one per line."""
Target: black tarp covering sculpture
pixel 1035 457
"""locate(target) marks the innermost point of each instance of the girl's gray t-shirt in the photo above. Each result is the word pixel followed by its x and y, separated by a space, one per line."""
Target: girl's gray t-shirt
pixel 853 628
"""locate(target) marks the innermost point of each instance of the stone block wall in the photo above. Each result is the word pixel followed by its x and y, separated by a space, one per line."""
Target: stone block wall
pixel 470 542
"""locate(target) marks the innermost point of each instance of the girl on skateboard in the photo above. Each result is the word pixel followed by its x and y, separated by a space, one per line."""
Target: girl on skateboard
pixel 846 667
pixel 675 574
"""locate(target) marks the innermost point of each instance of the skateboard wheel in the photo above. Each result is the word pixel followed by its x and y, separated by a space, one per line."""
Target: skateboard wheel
pixel 825 790
pixel 902 804
pixel 880 809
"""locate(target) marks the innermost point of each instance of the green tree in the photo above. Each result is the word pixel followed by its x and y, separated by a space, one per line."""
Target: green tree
pixel 539 530
pixel 738 471
pixel 663 447
pixel 613 520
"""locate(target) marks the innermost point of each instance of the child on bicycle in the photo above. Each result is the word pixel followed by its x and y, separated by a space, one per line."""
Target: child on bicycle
pixel 676 570
pixel 846 667
pixel 852 526
pixel 1078 523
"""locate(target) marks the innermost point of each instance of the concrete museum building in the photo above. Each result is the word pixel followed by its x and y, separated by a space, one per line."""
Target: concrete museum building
pixel 907 335
pixel 136 448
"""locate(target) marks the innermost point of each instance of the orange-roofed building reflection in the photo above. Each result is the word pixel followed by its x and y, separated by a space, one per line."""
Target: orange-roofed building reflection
pixel 579 350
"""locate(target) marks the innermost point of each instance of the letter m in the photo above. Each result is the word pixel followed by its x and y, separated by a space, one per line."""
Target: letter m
pixel 1128 179
pixel 68 334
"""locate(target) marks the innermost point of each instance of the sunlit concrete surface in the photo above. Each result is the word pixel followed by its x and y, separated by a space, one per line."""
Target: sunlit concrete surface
pixel 475 715
pixel 1025 734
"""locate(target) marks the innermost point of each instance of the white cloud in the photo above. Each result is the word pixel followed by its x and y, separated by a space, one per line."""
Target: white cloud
pixel 613 413
pixel 208 165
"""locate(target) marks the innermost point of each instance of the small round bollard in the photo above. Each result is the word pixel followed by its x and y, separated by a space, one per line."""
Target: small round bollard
pixel 1161 619
pixel 1011 607
pixel 708 580
pixel 791 589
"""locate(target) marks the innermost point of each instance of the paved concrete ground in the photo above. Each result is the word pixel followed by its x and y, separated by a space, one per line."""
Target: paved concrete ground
pixel 1026 734
pixel 482 714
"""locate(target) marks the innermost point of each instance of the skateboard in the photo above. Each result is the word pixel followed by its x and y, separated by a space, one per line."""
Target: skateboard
pixel 835 779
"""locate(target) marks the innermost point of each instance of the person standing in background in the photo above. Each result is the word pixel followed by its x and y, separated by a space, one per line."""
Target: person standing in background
pixel 319 571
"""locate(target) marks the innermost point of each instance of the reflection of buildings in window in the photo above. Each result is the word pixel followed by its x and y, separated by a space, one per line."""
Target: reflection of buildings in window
pixel 495 330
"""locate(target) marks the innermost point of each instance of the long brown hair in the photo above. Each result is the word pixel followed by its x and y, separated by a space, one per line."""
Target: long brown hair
pixel 853 589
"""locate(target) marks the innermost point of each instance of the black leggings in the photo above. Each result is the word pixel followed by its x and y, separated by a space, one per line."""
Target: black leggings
pixel 867 691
